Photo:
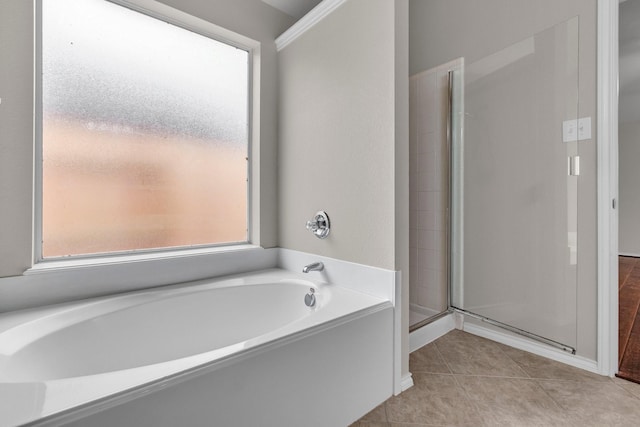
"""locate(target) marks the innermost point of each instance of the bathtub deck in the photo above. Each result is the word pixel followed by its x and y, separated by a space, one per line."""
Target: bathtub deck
pixel 299 356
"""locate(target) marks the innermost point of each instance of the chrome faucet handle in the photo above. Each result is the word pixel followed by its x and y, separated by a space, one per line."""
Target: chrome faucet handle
pixel 319 225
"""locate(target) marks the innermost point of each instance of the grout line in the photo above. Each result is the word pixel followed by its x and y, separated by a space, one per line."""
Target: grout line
pixel 507 377
pixel 636 397
pixel 537 381
pixel 466 394
pixel 442 358
pixel 514 362
pixel 471 402
pixel 384 407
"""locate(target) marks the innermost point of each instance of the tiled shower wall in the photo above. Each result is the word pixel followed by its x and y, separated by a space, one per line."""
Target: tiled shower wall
pixel 429 190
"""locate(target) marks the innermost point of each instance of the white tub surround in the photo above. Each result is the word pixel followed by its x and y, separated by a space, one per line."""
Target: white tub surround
pixel 378 282
pixel 200 353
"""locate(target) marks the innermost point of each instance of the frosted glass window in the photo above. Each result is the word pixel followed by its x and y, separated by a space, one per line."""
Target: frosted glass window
pixel 144 133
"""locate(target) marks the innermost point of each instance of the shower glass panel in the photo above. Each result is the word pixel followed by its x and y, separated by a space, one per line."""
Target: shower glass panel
pixel 432 99
pixel 519 205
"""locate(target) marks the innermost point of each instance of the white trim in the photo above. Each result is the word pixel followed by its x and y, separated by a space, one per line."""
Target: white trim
pixel 63 284
pixel 532 347
pixel 316 15
pixel 181 19
pixel 607 186
pixel 406 383
pixel 629 254
pixel 66 263
pixel 399 382
pixel 431 332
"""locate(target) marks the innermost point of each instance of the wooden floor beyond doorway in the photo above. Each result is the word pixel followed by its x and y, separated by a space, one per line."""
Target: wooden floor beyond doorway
pixel 629 317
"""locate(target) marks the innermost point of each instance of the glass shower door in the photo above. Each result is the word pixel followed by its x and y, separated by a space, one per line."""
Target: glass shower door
pixel 518 227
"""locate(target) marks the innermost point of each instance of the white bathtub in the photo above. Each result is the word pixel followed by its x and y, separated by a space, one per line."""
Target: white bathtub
pixel 215 352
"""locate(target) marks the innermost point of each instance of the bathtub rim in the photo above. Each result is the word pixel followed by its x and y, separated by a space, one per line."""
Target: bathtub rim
pixel 71 313
pixel 110 401
pixel 82 410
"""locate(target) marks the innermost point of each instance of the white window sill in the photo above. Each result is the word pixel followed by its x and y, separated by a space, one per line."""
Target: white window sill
pixel 74 263
pixel 60 281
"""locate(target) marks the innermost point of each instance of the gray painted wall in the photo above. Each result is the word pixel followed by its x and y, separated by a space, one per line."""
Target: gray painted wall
pixel 337 133
pixel 343 144
pixel 442 30
pixel 16 136
pixel 250 18
pixel 629 131
pixel 629 176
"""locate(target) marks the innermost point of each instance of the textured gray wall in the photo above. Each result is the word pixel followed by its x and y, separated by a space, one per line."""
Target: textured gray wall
pixel 629 132
pixel 16 136
pixel 629 176
pixel 337 134
pixel 344 139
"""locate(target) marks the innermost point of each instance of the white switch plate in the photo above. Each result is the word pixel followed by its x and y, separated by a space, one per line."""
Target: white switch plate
pixel 569 130
pixel 576 130
pixel 584 128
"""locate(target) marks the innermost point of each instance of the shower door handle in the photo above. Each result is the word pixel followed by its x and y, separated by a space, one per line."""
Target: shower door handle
pixel 574 166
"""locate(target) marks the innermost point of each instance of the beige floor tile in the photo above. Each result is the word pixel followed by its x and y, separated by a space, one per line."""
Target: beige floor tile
pixel 412 407
pixel 494 385
pixel 416 425
pixel 595 402
pixel 471 355
pixel 630 386
pixel 378 414
pixel 444 384
pixel 512 401
pixel 540 367
pixel 434 400
pixel 369 424
pixel 428 359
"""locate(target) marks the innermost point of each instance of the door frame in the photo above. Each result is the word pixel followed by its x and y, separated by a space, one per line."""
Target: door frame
pixel 607 185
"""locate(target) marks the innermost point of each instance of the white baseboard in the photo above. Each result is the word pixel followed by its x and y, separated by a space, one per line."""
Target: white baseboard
pixel 431 332
pixel 532 347
pixel 406 383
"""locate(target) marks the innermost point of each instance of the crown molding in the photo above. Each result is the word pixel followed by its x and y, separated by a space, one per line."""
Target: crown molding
pixel 316 15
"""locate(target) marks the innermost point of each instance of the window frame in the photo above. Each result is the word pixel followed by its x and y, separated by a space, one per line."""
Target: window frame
pixel 196 25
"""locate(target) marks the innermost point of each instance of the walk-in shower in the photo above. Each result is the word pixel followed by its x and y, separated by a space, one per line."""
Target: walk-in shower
pixel 494 181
